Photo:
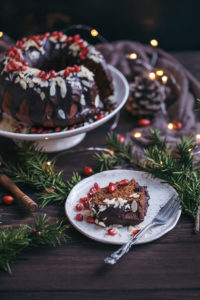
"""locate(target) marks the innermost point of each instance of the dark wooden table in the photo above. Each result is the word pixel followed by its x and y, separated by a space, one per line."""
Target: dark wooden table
pixel 168 268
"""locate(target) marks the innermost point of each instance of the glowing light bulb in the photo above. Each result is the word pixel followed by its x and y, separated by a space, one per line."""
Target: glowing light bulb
pixel 198 137
pixel 170 126
pixel 152 75
pixel 132 56
pixel 189 150
pixel 94 32
pixel 164 79
pixel 159 72
pixel 154 43
pixel 137 134
pixel 1 34
pixel 48 163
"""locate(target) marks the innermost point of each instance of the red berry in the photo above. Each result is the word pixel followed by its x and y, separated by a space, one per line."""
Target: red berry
pixel 96 186
pixel 66 73
pixel 8 200
pixel 60 35
pixel 86 205
pixel 82 57
pixel 144 122
pixel 178 125
pixel 23 68
pixel 79 217
pixel 57 129
pixel 24 39
pixel 47 34
pixel 121 138
pixel 11 53
pixel 34 230
pixel 39 130
pixel 53 73
pixel 84 51
pixel 112 231
pixel 76 37
pixel 49 191
pixel 77 69
pixel 100 116
pixel 39 232
pixel 112 187
pixel 33 130
pixel 87 171
pixel 46 77
pixel 41 74
pixel 26 63
pixel 82 200
pixel 54 33
pixel 90 220
pixel 124 182
pixel 135 232
pixel 69 39
pixel 9 68
pixel 79 207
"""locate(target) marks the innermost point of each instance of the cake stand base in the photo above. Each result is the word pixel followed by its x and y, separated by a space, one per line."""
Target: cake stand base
pixel 54 145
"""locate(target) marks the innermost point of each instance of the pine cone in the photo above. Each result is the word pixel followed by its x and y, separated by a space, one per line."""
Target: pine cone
pixel 146 96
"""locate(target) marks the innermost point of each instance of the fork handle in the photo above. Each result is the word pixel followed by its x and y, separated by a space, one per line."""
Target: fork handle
pixel 115 256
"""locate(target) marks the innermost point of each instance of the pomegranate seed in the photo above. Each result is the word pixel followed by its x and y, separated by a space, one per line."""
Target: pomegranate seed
pixel 100 116
pixel 124 182
pixel 87 171
pixel 84 51
pixel 86 205
pixel 90 220
pixel 79 217
pixel 54 33
pixel 46 77
pixel 76 37
pixel 83 200
pixel 8 200
pixel 96 186
pixel 24 39
pixel 41 74
pixel 57 129
pixel 70 69
pixel 33 130
pixel 39 130
pixel 47 34
pixel 135 232
pixel 60 35
pixel 53 73
pixel 9 68
pixel 66 73
pixel 79 207
pixel 82 57
pixel 144 122
pixel 80 42
pixel 49 191
pixel 112 231
pixel 23 68
pixel 88 196
pixel 69 39
pixel 112 187
pixel 77 69
pixel 121 138
pixel 26 63
pixel 11 53
pixel 178 125
pixel 92 191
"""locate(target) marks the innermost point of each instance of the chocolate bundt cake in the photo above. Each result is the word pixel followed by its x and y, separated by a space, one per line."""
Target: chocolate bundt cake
pixel 54 80
pixel 124 202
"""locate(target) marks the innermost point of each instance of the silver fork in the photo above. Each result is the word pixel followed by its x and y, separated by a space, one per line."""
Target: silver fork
pixel 164 214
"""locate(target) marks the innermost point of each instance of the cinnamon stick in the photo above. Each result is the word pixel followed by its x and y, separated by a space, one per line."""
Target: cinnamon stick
pixel 9 185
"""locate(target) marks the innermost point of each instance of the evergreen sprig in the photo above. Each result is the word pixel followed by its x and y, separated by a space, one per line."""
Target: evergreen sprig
pixel 13 241
pixel 119 154
pixel 34 169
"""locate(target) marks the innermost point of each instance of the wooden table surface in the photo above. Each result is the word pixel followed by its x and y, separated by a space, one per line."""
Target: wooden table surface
pixel 168 268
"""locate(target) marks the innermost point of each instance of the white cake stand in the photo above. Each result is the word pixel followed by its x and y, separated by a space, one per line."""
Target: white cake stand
pixel 58 141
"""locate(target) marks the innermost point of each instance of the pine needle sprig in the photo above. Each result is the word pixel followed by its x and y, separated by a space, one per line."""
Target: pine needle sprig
pixel 118 154
pixel 34 169
pixel 13 241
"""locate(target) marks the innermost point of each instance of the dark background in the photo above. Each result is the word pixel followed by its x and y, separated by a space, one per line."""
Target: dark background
pixel 175 23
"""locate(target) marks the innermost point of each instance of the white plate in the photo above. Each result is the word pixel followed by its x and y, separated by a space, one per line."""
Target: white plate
pixel 159 193
pixel 66 139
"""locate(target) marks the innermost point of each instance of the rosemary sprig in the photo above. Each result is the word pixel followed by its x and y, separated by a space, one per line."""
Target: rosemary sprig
pixel 13 241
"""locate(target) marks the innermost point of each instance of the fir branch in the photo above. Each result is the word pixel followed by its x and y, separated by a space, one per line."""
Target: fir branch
pixel 34 169
pixel 120 153
pixel 13 241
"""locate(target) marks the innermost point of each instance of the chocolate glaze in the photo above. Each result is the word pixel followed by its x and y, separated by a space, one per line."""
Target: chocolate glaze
pixel 24 97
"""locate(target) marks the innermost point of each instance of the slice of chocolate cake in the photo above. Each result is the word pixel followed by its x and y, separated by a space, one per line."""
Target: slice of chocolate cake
pixel 124 203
